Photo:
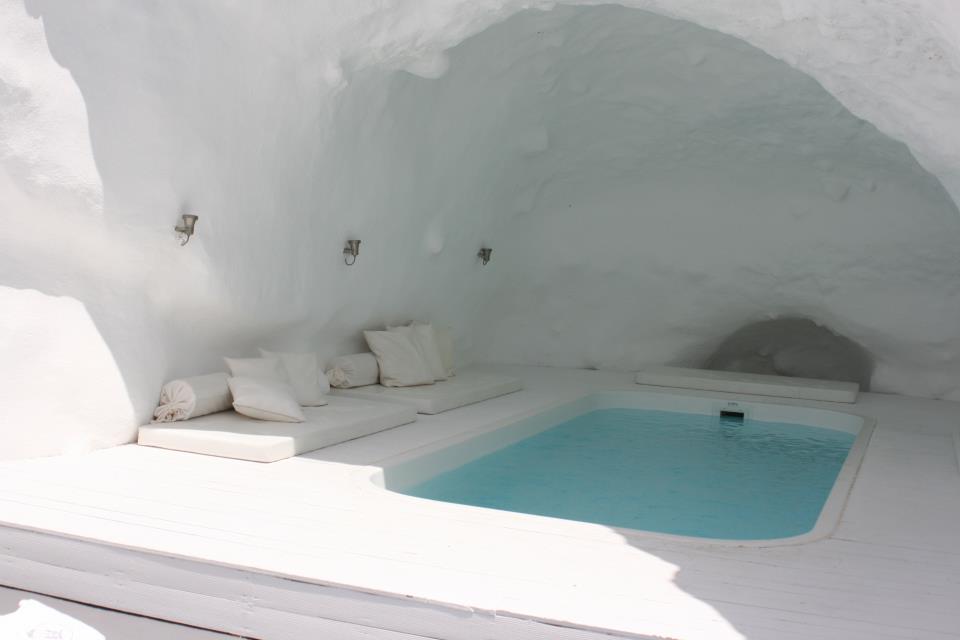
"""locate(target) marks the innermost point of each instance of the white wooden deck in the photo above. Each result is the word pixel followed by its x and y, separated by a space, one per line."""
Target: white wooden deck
pixel 110 624
pixel 308 547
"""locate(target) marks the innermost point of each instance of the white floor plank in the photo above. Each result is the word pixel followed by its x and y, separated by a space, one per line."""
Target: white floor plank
pixel 112 625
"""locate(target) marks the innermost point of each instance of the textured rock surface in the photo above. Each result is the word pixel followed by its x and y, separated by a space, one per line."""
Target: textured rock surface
pixel 647 186
pixel 796 347
pixel 679 200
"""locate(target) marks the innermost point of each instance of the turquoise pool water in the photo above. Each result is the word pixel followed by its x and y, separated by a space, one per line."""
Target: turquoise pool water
pixel 685 474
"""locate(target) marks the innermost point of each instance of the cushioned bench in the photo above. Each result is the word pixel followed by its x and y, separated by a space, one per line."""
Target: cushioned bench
pixel 230 435
pixel 750 383
pixel 464 388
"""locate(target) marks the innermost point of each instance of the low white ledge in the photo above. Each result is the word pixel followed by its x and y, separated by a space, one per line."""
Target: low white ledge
pixel 749 383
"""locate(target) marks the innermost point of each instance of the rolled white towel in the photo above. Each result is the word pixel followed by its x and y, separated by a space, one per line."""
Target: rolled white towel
pixel 357 370
pixel 193 397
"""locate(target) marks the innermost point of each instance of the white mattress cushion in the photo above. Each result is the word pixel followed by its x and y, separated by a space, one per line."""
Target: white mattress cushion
pixel 401 364
pixel 231 435
pixel 309 383
pixel 265 399
pixel 467 388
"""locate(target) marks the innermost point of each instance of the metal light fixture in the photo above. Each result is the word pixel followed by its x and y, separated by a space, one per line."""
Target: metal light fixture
pixel 186 227
pixel 352 250
pixel 484 254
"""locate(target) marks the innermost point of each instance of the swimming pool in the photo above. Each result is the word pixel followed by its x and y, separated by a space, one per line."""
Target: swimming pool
pixel 656 463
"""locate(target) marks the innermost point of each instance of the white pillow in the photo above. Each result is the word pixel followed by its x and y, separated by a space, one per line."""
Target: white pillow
pixel 357 370
pixel 265 399
pixel 423 337
pixel 399 360
pixel 444 340
pixel 303 372
pixel 270 368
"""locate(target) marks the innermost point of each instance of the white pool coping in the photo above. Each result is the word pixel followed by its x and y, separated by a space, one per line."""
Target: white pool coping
pixel 309 547
pixel 411 468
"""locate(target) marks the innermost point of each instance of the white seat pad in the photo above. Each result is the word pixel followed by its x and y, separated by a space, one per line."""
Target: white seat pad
pixel 230 435
pixel 463 389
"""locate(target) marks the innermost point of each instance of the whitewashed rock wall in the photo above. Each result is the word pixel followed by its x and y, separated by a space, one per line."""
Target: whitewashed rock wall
pixel 630 223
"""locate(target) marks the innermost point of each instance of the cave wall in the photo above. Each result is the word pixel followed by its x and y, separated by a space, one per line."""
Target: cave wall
pixel 289 129
pixel 118 117
pixel 649 186
pixel 661 185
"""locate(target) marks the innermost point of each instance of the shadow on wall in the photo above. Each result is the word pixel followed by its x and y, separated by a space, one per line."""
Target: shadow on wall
pixel 796 347
pixel 100 302
pixel 130 114
pixel 69 292
pixel 114 118
pixel 65 380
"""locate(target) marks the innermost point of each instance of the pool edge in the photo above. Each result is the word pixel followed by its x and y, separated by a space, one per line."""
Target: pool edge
pixel 826 524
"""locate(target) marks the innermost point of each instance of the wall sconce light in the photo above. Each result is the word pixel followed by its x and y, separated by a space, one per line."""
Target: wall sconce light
pixel 484 254
pixel 352 250
pixel 186 227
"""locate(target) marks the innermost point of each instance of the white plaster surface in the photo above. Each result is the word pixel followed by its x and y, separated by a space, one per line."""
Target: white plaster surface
pixel 647 186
